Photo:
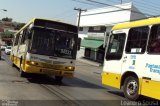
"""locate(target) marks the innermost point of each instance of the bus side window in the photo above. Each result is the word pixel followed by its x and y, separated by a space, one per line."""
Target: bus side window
pixel 154 40
pixel 24 36
pixel 16 39
pixel 137 40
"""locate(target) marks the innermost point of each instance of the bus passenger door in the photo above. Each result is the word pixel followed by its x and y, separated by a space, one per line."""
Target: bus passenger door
pixel 21 51
pixel 15 49
pixel 114 58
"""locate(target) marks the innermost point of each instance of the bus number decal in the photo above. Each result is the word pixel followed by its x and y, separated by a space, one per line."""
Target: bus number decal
pixel 133 57
pixel 64 51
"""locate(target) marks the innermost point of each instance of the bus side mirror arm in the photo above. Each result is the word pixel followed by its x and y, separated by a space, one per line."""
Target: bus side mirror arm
pixel 79 44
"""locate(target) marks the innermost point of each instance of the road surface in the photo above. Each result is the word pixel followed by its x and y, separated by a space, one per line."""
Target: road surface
pixel 84 89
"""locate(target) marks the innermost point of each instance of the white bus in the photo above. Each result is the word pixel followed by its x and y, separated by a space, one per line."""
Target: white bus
pixel 132 61
pixel 46 47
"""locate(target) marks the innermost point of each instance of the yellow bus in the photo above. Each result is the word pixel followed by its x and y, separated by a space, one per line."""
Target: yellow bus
pixel 132 58
pixel 45 46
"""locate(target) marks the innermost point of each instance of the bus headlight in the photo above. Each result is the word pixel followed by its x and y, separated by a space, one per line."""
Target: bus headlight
pixel 70 68
pixel 32 63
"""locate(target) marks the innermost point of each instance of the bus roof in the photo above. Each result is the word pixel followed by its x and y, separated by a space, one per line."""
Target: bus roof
pixel 33 19
pixel 53 20
pixel 137 23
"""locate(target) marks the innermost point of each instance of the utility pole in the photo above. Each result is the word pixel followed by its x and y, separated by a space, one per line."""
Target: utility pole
pixel 121 1
pixel 80 11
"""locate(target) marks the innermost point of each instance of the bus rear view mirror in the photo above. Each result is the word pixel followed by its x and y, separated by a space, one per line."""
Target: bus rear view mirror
pixel 79 44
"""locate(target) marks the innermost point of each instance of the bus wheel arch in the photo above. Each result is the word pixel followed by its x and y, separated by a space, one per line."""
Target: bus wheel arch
pixel 21 60
pixel 12 57
pixel 130 85
pixel 22 73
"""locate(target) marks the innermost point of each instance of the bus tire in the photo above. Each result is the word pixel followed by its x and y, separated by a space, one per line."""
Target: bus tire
pixel 58 79
pixel 131 88
pixel 12 59
pixel 21 72
pixel 13 65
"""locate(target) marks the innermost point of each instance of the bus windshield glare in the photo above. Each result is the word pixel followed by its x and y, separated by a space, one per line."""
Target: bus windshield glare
pixel 53 43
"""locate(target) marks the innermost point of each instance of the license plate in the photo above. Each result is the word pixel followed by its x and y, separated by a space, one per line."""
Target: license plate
pixel 46 71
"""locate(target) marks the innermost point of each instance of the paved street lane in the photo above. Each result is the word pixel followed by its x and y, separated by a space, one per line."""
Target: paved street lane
pixel 85 86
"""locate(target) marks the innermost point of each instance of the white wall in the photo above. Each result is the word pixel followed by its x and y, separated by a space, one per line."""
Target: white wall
pixel 83 34
pixel 80 53
pixel 106 16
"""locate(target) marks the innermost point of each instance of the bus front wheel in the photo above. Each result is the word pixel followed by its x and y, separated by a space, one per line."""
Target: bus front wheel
pixel 131 88
pixel 21 72
pixel 12 59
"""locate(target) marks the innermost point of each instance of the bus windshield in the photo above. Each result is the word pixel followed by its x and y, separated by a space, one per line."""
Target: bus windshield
pixel 53 43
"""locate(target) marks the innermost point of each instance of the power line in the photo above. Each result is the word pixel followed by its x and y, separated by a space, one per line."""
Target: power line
pixel 120 0
pixel 150 11
pixel 100 3
pixel 147 9
pixel 144 4
pixel 103 12
pixel 84 2
pixel 112 1
pixel 93 1
pixel 151 3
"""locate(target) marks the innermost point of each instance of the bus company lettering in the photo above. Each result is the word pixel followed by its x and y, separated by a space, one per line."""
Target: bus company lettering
pixel 40 59
pixel 65 51
pixel 153 68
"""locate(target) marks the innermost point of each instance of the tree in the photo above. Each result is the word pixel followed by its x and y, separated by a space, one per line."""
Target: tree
pixel 7 19
pixel 7 34
pixel 19 26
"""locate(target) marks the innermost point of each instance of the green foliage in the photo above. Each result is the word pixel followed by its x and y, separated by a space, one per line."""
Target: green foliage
pixel 7 19
pixel 7 34
pixel 19 26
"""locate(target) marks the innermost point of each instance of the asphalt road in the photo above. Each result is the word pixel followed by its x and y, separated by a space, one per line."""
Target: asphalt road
pixel 84 89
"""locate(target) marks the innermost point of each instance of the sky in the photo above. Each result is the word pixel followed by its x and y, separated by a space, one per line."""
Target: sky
pixel 63 10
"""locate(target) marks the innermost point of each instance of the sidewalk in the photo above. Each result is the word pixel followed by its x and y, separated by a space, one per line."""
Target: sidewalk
pixel 83 60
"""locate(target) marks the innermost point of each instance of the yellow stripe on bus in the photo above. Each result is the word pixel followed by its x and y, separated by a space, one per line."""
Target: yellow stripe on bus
pixel 111 79
pixel 150 88
pixel 138 23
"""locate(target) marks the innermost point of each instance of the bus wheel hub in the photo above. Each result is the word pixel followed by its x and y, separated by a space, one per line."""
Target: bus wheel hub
pixel 132 87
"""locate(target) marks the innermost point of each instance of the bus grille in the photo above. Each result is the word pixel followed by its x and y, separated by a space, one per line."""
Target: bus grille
pixel 44 65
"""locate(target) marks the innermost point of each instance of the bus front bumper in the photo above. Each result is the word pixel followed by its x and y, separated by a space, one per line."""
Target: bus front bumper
pixel 48 71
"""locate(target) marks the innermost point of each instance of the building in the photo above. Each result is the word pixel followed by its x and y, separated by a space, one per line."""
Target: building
pixel 95 25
